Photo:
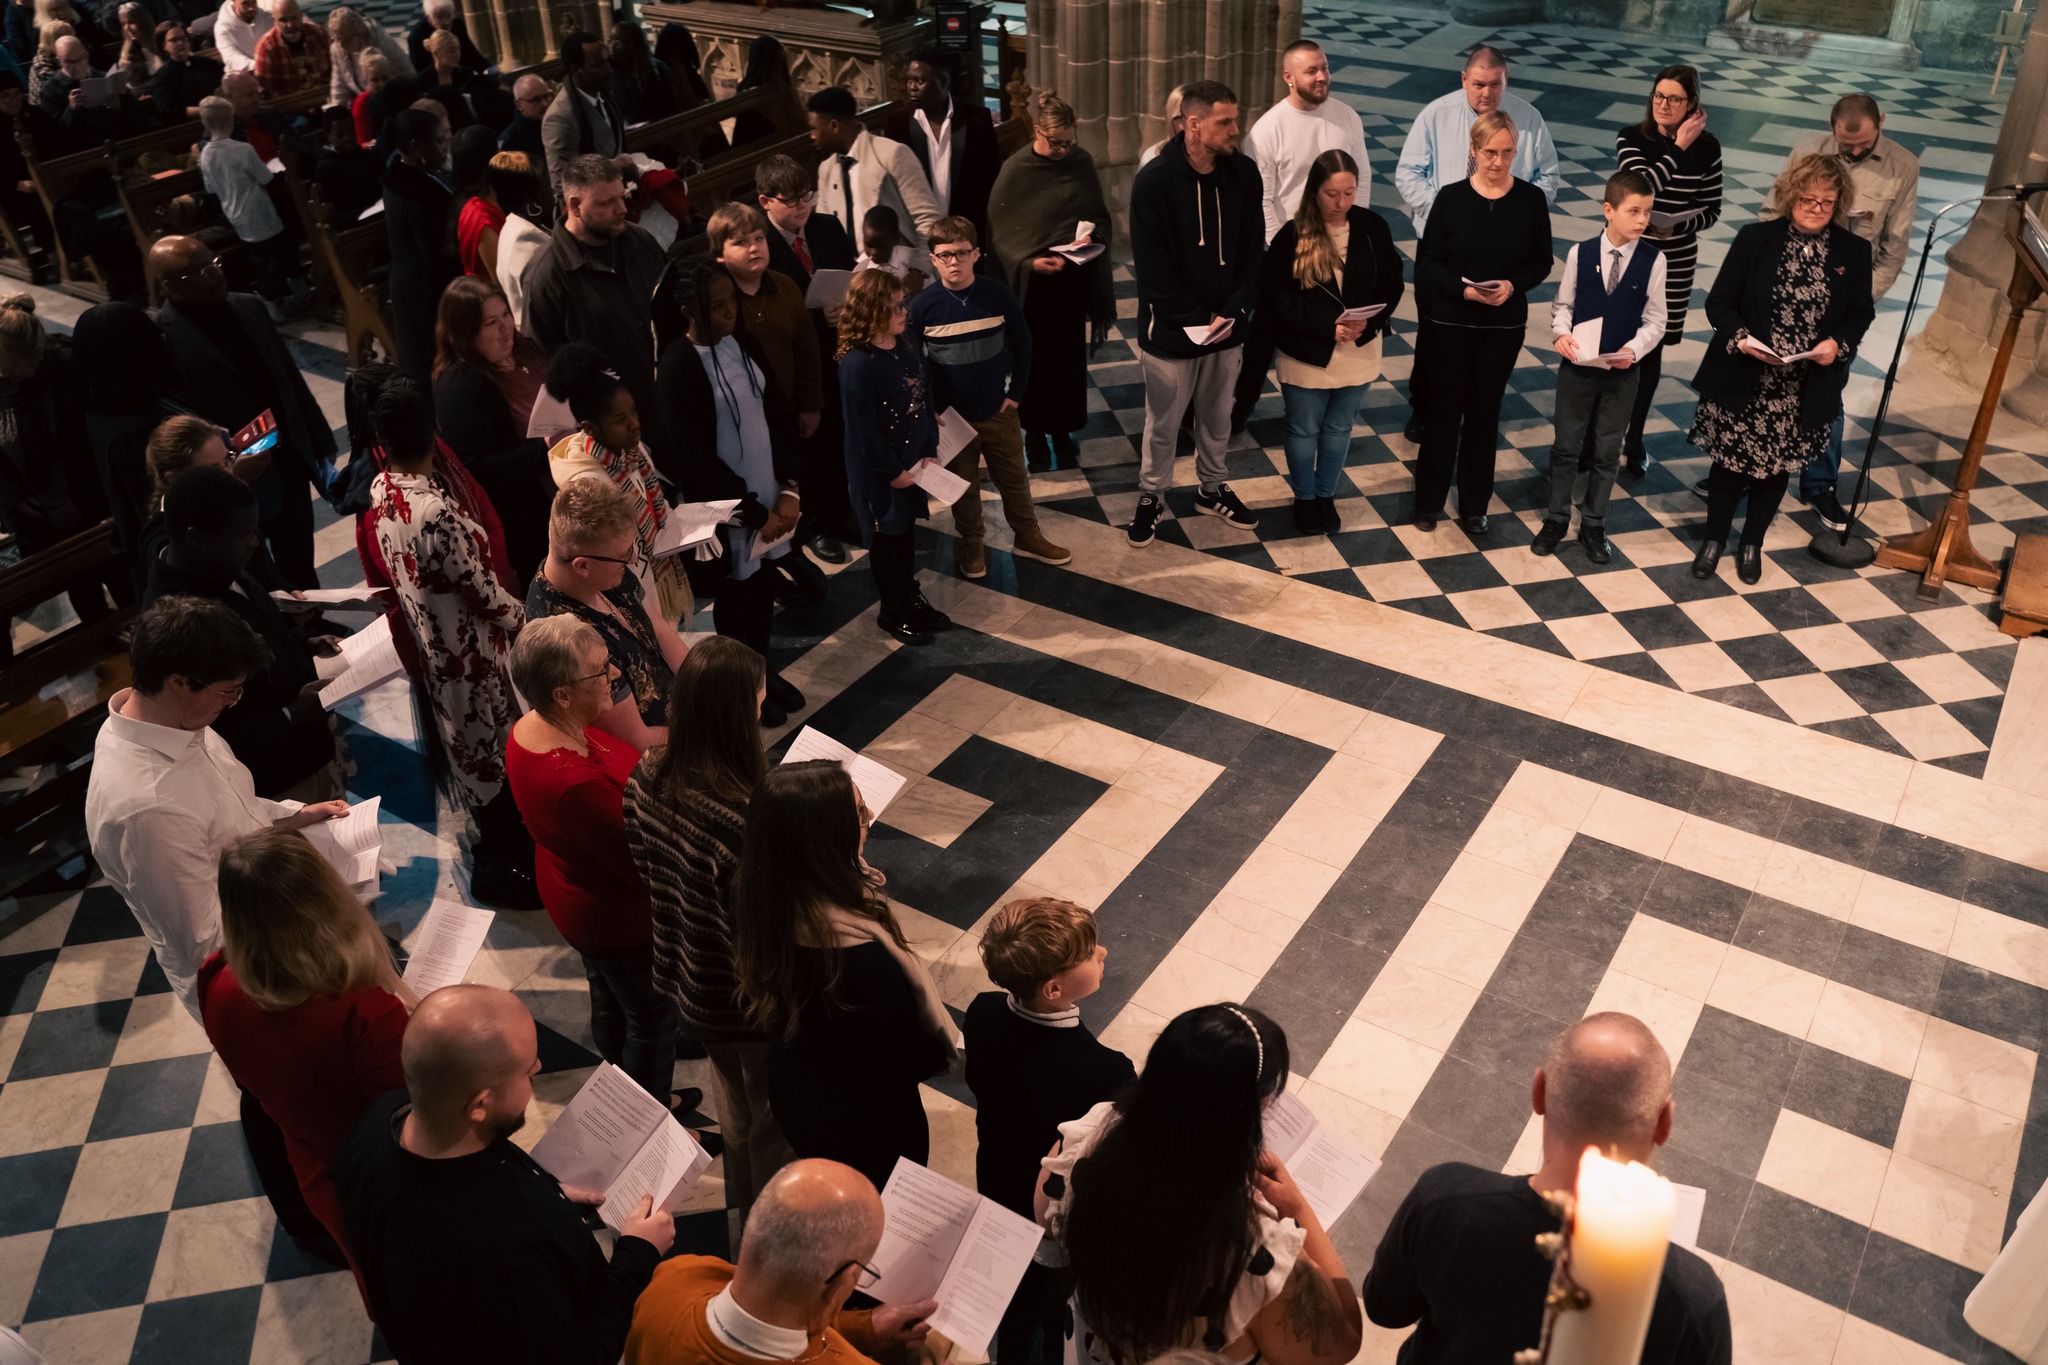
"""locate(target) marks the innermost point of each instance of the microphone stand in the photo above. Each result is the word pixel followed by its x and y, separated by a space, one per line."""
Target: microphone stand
pixel 1835 547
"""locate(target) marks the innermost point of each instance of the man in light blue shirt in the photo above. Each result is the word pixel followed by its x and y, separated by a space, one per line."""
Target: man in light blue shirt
pixel 1438 153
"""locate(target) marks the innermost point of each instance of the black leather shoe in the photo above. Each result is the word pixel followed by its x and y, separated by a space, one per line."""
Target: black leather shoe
pixel 797 578
pixel 784 693
pixel 1477 526
pixel 1425 521
pixel 1066 451
pixel 1305 519
pixel 1595 542
pixel 712 1143
pixel 772 715
pixel 1413 431
pixel 1709 557
pixel 504 885
pixel 1635 466
pixel 1749 563
pixel 926 616
pixel 903 631
pixel 1037 452
pixel 1548 536
pixel 828 549
pixel 687 1099
pixel 1331 518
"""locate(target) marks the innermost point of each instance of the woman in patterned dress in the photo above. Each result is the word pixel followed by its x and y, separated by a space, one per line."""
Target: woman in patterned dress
pixel 446 574
pixel 1672 149
pixel 1789 307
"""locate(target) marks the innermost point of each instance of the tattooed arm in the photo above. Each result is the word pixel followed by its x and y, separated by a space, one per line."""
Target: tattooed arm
pixel 1316 1320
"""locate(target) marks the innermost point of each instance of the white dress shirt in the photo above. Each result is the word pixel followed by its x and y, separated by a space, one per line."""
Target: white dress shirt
pixel 160 807
pixel 237 40
pixel 1655 314
pixel 939 143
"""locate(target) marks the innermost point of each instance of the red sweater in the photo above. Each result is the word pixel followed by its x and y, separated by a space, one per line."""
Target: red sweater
pixel 314 1067
pixel 574 806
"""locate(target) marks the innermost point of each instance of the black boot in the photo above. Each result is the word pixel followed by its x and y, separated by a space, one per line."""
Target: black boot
pixel 1037 451
pixel 1066 451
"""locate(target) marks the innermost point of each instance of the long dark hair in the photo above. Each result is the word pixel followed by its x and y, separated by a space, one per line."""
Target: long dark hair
pixel 767 61
pixel 714 726
pixel 802 859
pixel 1174 1169
pixel 1685 76
pixel 677 49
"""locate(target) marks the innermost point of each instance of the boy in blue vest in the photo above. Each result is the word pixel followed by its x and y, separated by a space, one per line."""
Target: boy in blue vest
pixel 1609 311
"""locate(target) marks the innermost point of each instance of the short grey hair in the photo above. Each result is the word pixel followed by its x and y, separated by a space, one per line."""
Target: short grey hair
pixel 549 654
pixel 806 1245
pixel 1606 1100
pixel 434 7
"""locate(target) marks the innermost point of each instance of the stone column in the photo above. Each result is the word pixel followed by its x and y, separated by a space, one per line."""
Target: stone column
pixel 1959 336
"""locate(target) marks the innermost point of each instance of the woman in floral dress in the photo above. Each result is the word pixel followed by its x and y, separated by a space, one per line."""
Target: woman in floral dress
pixel 1795 286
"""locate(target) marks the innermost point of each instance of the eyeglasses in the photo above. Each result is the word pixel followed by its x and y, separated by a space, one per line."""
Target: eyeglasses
pixel 228 695
pixel 869 1276
pixel 1812 205
pixel 196 272
pixel 608 559
pixel 807 197
pixel 948 257
pixel 1061 144
pixel 605 672
pixel 1661 98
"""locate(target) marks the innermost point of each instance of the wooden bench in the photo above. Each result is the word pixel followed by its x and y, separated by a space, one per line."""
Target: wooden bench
pixel 59 178
pixel 148 202
pixel 680 133
pixel 350 263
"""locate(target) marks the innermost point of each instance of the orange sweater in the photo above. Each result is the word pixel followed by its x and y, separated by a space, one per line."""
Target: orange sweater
pixel 669 1326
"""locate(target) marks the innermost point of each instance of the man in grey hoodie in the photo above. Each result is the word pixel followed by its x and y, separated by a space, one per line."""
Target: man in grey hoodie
pixel 1198 237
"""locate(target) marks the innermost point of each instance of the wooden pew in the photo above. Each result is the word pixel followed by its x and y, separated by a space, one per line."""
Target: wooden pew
pixel 61 177
pixel 147 202
pixel 350 261
pixel 680 132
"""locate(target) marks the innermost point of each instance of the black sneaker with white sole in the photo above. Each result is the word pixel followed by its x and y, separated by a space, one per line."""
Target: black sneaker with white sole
pixel 1226 504
pixel 1829 509
pixel 1145 521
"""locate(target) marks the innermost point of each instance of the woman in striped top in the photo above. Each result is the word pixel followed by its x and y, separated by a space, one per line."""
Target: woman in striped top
pixel 1682 161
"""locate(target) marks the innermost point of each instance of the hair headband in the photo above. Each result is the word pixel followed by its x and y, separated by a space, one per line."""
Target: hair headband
pixel 1257 1041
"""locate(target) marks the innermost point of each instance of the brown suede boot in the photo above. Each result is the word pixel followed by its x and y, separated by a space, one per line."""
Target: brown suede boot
pixel 1033 543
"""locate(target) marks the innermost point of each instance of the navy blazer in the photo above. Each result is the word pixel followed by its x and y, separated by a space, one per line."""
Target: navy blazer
pixel 1305 319
pixel 1741 299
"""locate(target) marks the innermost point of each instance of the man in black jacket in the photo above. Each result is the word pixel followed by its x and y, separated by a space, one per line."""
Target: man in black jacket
pixel 468 1250
pixel 419 211
pixel 232 368
pixel 1198 240
pixel 932 120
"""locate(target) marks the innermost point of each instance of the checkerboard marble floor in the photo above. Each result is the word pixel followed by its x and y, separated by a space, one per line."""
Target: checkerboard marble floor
pixel 1422 800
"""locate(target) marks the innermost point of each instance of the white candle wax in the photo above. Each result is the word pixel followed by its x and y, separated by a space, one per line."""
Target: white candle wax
pixel 1621 1230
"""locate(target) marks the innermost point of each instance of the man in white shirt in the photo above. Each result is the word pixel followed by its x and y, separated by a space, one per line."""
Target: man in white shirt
pixel 1288 137
pixel 166 793
pixel 858 171
pixel 236 30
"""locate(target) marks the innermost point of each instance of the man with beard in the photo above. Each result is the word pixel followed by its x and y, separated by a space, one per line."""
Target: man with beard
pixel 467 1250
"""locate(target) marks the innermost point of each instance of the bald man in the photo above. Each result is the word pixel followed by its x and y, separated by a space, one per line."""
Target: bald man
pixel 809 1238
pixel 1459 1260
pixel 467 1249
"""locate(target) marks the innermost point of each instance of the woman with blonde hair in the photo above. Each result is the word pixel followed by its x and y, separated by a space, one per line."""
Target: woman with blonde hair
pixel 44 67
pixel 302 1003
pixel 137 32
pixel 1794 285
pixel 1333 256
pixel 891 431
pixel 352 41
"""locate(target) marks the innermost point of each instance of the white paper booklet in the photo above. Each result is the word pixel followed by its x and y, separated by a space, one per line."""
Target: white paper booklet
pixel 878 784
pixel 352 843
pixel 1486 285
pixel 447 941
pixel 941 482
pixel 1667 223
pixel 1081 251
pixel 1209 336
pixel 550 419
pixel 941 1240
pixel 757 547
pixel 692 523
pixel 1770 356
pixel 1330 1171
pixel 368 658
pixel 955 432
pixel 1362 313
pixel 1587 334
pixel 1685 1218
pixel 333 599
pixel 616 1137
pixel 828 289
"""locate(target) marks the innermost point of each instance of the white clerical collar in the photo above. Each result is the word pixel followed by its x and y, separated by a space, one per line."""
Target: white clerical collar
pixel 1070 1017
pixel 747 1334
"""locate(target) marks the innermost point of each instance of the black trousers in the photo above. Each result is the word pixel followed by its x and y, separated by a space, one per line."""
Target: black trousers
pixel 289 534
pixel 744 609
pixel 1468 374
pixel 893 559
pixel 1725 488
pixel 1258 360
pixel 501 833
pixel 1648 370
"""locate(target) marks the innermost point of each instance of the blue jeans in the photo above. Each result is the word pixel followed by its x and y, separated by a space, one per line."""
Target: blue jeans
pixel 1819 475
pixel 633 1023
pixel 1319 437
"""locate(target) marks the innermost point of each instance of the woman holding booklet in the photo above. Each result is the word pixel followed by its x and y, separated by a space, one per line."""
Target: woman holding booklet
pixel 854 1018
pixel 1185 1160
pixel 1789 307
pixel 1333 280
pixel 1672 149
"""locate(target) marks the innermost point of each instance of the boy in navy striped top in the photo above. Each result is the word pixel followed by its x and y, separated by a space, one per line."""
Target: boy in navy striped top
pixel 972 331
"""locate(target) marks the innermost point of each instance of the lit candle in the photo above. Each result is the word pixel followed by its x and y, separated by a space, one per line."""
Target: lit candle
pixel 1620 1232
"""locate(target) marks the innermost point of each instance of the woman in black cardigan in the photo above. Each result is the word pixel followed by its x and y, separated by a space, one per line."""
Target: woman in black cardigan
pixel 487 378
pixel 1489 229
pixel 1333 257
pixel 1798 285
pixel 714 382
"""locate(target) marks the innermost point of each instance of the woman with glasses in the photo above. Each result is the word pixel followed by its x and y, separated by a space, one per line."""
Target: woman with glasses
pixel 588 574
pixel 569 778
pixel 855 1022
pixel 1487 244
pixel 1789 307
pixel 1672 149
pixel 1040 197
pixel 607 442
pixel 1180 1162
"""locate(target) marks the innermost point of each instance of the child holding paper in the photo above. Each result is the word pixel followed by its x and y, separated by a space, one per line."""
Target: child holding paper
pixel 972 330
pixel 1609 313
pixel 1033 1065
pixel 891 432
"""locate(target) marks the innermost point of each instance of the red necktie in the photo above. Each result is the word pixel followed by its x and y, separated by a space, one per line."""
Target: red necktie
pixel 803 253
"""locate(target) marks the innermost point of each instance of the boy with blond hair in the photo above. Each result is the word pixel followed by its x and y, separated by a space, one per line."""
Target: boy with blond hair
pixel 1033 1065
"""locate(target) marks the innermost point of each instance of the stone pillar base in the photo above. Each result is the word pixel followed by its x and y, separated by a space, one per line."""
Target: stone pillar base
pixel 1832 49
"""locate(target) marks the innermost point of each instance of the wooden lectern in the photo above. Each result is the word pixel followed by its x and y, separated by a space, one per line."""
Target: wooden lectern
pixel 1943 550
